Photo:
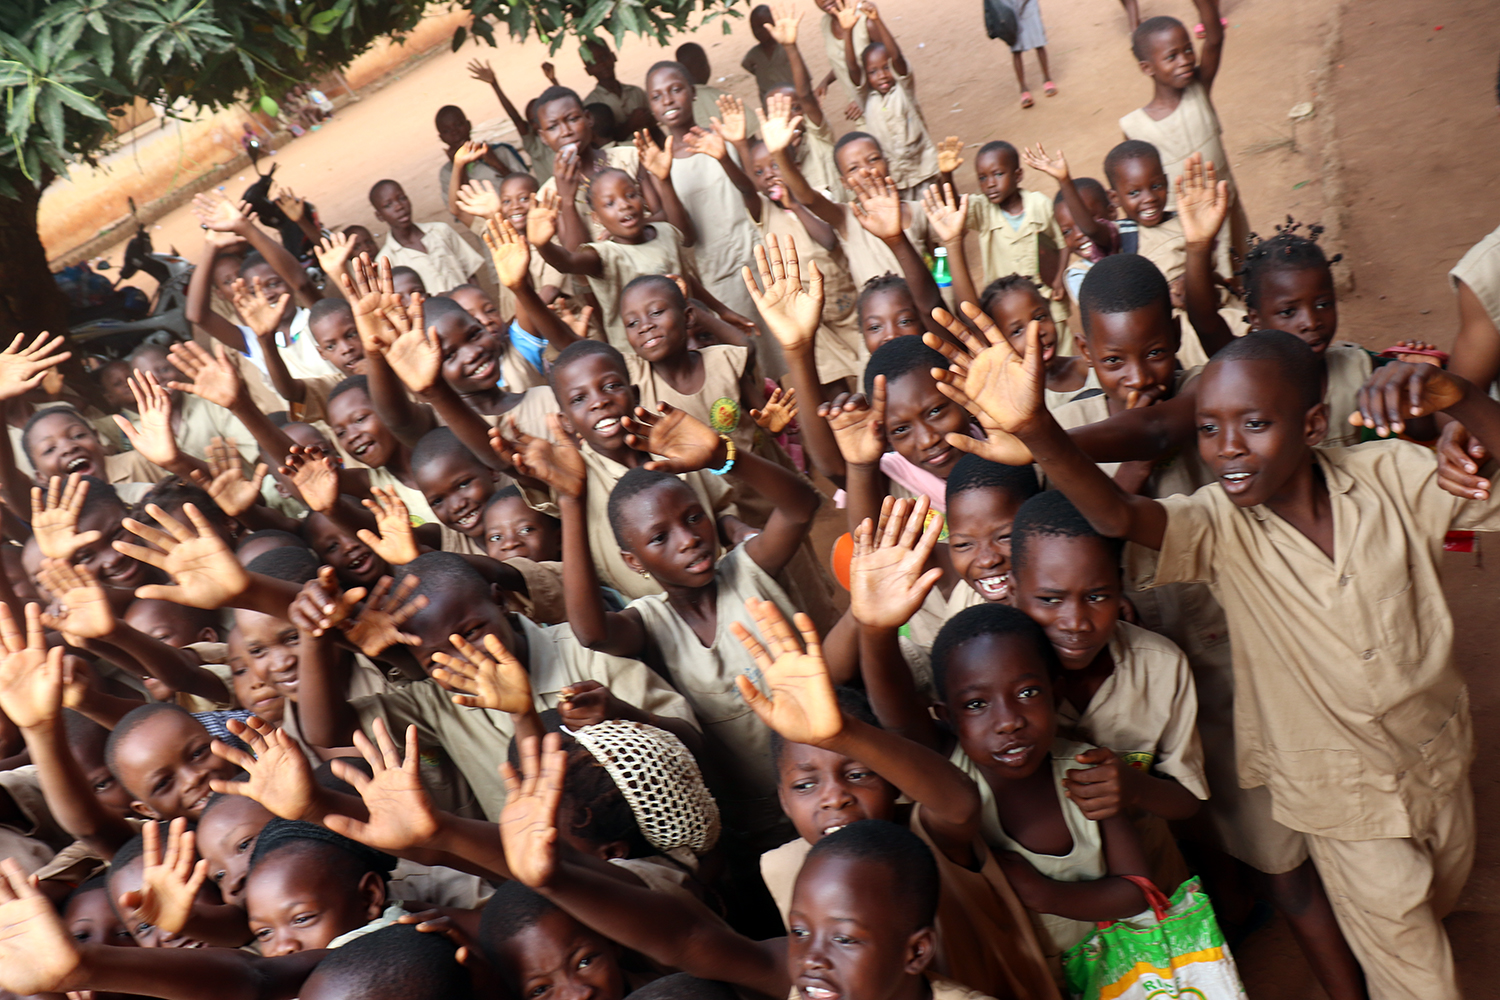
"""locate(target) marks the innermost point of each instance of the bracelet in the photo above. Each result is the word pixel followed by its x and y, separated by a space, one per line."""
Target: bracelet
pixel 729 461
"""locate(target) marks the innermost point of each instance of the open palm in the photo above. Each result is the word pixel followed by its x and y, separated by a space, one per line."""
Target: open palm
pixel 802 706
pixel 279 776
pixel 685 443
pixel 37 954
pixel 83 610
pixel 207 574
pixel 401 813
pixel 31 687
pixel 528 823
pixel 792 313
pixel 496 681
pixel 888 575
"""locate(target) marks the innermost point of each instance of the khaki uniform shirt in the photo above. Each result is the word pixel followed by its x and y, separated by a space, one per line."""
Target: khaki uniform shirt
pixel 624 262
pixel 814 157
pixel 1349 367
pixel 477 739
pixel 34 841
pixel 868 256
pixel 1005 249
pixel 1480 270
pixel 717 404
pixel 630 100
pixel 620 157
pixel 203 421
pixel 895 120
pixel 838 62
pixel 770 69
pixel 448 262
pixel 1348 706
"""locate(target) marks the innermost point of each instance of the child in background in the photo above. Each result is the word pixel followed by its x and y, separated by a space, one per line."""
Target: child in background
pixel 1030 35
pixel 835 45
pixel 432 249
pixel 1084 216
pixel 705 97
pixel 812 146
pixel 766 60
pixel 1014 303
pixel 1180 119
pixel 631 109
pixel 536 150
pixel 468 159
pixel 887 92
pixel 565 126
pixel 1018 233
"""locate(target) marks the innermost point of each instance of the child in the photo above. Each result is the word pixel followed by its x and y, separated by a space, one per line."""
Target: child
pixel 512 529
pixel 1084 215
pixel 457 487
pixel 1126 690
pixel 465 159
pixel 629 103
pixel 195 420
pixel 887 93
pixel 537 151
pixel 434 250
pixel 58 442
pixel 364 437
pixel 1031 35
pixel 835 45
pixel 1180 119
pixel 1018 233
pixel 766 60
pixel 565 127
pixel 1373 507
pixel 812 147
pixel 1013 303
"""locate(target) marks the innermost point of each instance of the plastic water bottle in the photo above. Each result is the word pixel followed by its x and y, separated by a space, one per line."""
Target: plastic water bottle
pixel 940 273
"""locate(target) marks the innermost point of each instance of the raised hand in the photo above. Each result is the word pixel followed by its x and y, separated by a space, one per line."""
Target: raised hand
pixel 1202 201
pixel 778 127
pixel 31 687
pixel 213 377
pixel 479 199
pixel 396 543
pixel 278 775
pixel 541 218
pixel 1399 392
pixel 731 121
pixel 509 250
pixel 785 19
pixel 207 574
pixel 401 813
pixel 790 312
pixel 83 610
pixel 377 627
pixel 1054 165
pixel 470 152
pixel 216 212
pixel 496 681
pixel 367 289
pixel 847 11
pixel 225 480
pixel 170 880
pixel 947 214
pixel 315 477
pixel 557 463
pixel 858 424
pixel 333 252
pixel 154 440
pixel 1002 388
pixel 37 953
pixel 528 823
pixel 320 605
pixel 588 703
pixel 700 140
pixel 780 410
pixel 801 706
pixel 950 154
pixel 415 355
pixel 888 578
pixel 877 204
pixel 577 320
pixel 291 206
pixel 481 71
pixel 54 517
pixel 657 159
pixel 685 443
pixel 24 366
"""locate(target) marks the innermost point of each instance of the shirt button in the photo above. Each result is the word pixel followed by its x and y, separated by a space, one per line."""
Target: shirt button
pixel 1368 654
pixel 1344 580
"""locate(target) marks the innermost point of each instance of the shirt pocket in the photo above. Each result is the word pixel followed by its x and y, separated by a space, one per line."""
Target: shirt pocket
pixel 1400 618
pixel 1317 789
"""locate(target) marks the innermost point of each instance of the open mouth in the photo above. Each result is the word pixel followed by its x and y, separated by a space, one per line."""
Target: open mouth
pixel 484 371
pixel 359 562
pixel 1235 482
pixel 1150 213
pixel 651 342
pixel 466 521
pixel 360 450
pixel 82 465
pixel 703 564
pixel 1085 248
pixel 776 192
pixel 607 425
pixel 1014 755
pixel 993 588
pixel 811 992
pixel 940 457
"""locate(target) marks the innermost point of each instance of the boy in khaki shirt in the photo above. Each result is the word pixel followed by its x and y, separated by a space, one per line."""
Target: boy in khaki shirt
pixel 1349 708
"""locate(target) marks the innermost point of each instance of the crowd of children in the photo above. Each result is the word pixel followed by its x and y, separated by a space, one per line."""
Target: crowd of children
pixel 451 626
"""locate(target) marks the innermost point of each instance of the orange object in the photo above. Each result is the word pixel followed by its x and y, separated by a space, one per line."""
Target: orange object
pixel 839 558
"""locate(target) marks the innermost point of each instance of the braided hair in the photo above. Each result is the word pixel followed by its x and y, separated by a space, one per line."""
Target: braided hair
pixel 1294 247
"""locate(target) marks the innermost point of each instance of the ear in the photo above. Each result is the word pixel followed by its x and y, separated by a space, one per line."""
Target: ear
pixel 939 710
pixel 207 634
pixel 1316 424
pixel 143 809
pixel 497 594
pixel 614 849
pixel 632 562
pixel 1145 67
pixel 567 423
pixel 919 952
pixel 1081 343
pixel 372 894
pixel 1114 198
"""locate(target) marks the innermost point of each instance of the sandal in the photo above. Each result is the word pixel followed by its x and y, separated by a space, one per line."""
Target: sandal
pixel 1200 31
pixel 1026 99
pixel 1049 89
pixel 1440 357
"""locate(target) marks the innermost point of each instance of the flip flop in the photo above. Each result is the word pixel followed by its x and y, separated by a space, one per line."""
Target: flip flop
pixel 1395 352
pixel 1049 89
pixel 1200 31
pixel 1026 99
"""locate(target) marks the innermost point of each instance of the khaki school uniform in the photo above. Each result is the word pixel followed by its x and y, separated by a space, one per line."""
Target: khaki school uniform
pixel 416 502
pixel 544 601
pixel 314 405
pixel 447 263
pixel 540 154
pixel 838 61
pixel 895 120
pixel 1351 710
pixel 814 157
pixel 1479 269
pixel 623 262
pixel 34 840
pixel 1180 472
pixel 621 158
pixel 630 100
pixel 477 739
pixel 203 421
pixel 839 349
pixel 1016 249
pixel 868 256
pixel 129 470
pixel 920 631
pixel 726 235
pixel 458 543
pixel 770 69
pixel 737 743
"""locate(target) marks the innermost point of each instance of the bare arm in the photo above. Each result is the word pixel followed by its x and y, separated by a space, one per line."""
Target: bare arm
pixel 879 32
pixel 1212 52
pixel 198 310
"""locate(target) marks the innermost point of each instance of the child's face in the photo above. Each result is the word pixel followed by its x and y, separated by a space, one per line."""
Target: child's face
pixel 1253 430
pixel 350 558
pixel 364 242
pixel 1073 235
pixel 62 444
pixel 164 621
pixel 1133 351
pixel 226 270
pixel 295 904
pixel 999 175
pixel 1071 587
pixel 845 940
pixel 457 488
pixel 602 68
pixel 471 353
pixel 338 341
pixel 861 154
pixel 270 648
pixel 878 69
pixel 788 91
pixel 251 690
pixel 115 570
pixel 516 194
pixel 1298 301
pixel 998 699
pixel 888 314
pixel 453 129
pixel 1019 307
pixel 979 522
pixel 918 419
pixel 513 529
pixel 822 791
pixel 671 97
pixel 272 284
pixel 594 393
pixel 113 384
pixel 1169 57
pixel 671 536
pixel 654 322
pixel 105 786
pixel 226 839
pixel 407 282
pixel 391 205
pixel 760 27
pixel 483 308
pixel 128 878
pixel 452 611
pixel 1140 190
pixel 764 173
pixel 564 125
pixel 91 920
pixel 166 765
pixel 158 364
pixel 618 205
pixel 557 958
pixel 359 429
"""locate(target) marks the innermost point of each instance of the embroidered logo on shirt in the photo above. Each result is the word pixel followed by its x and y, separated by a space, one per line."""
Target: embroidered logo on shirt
pixel 724 415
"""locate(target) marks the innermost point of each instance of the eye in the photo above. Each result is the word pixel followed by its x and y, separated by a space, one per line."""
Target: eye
pixel 1029 692
pixel 1208 428
pixel 975 705
pixel 843 939
pixel 1257 425
pixel 264 934
pixel 804 785
pixel 860 774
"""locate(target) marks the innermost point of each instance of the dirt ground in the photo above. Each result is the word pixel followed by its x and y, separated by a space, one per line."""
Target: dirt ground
pixel 1403 139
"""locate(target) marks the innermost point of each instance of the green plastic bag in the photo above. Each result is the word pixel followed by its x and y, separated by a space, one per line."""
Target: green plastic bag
pixel 1173 949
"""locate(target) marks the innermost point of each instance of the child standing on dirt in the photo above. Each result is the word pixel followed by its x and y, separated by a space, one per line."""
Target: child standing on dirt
pixel 888 96
pixel 1030 34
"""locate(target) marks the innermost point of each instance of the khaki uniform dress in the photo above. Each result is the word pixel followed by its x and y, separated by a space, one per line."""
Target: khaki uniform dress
pixel 477 739
pixel 868 256
pixel 1350 709
pixel 630 100
pixel 770 69
pixel 895 120
pixel 838 62
pixel 624 262
pixel 814 157
pixel 737 743
pixel 621 158
pixel 1016 248
pixel 726 236
pixel 1480 270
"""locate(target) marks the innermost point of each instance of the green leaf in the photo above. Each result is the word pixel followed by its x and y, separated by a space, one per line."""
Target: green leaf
pixel 269 106
pixel 459 37
pixel 324 22
pixel 79 103
pixel 50 112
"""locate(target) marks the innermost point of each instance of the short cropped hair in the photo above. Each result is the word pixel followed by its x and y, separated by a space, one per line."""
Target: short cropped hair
pixel 1052 514
pixel 583 349
pixel 852 702
pixel 674 66
pixel 323 308
pixel 131 721
pixel 899 357
pixel 513 908
pixel 384 182
pixel 401 271
pixel 294 564
pixel 284 538
pixel 438 444
pixel 437 572
pixel 849 137
pixel 1140 38
pixel 660 280
pixel 1295 361
pixel 901 852
pixel 1004 286
pixel 360 383
pixel 971 472
pixel 681 986
pixel 397 962
pixel 283 834
pixel 1130 149
pixel 999 146
pixel 633 483
pixel 1084 185
pixel 552 94
pixel 982 620
pixel 887 282
pixel 1122 283
pixel 439 307
pixel 52 411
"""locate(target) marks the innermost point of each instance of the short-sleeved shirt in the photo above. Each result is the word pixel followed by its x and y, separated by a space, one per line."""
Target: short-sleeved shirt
pixel 838 61
pixel 1015 249
pixel 770 69
pixel 203 421
pixel 621 158
pixel 1348 706
pixel 1480 270
pixel 478 739
pixel 623 262
pixel 479 170
pixel 895 120
pixel 716 404
pixel 839 350
pixel 868 256
pixel 448 262
pixel 814 157
pixel 1146 711
pixel 630 100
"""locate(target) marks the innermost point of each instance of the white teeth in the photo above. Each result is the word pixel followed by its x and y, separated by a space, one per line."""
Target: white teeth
pixel 814 993
pixel 1236 477
pixel 833 829
pixel 77 464
pixel 607 424
pixel 468 519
